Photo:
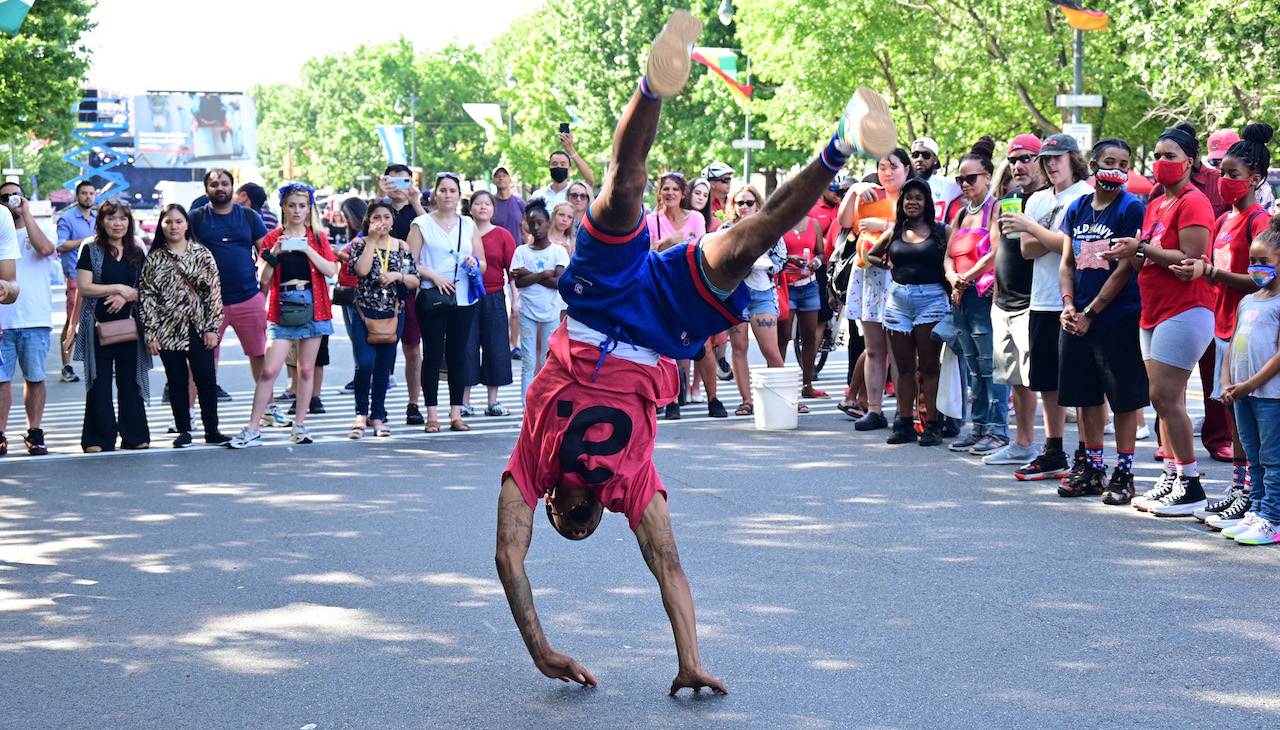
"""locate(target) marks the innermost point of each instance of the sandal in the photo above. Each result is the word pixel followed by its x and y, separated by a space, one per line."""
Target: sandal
pixel 357 431
pixel 809 391
pixel 382 430
pixel 852 410
pixel 433 426
pixel 745 409
pixel 802 408
pixel 457 424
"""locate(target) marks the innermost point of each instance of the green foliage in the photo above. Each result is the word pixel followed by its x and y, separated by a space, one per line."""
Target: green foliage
pixel 44 66
pixel 340 98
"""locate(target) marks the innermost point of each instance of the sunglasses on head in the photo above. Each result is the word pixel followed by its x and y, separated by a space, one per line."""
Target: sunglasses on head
pixel 922 155
pixel 674 174
pixel 748 203
pixel 1022 160
pixel 118 201
pixel 451 175
pixel 969 179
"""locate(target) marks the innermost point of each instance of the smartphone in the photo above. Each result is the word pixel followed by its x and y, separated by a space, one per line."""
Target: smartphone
pixel 293 244
pixel 564 127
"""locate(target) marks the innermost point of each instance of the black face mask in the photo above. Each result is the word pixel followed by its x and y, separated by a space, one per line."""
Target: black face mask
pixel 559 174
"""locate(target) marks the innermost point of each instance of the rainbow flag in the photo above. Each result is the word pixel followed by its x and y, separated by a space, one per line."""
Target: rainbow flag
pixel 1081 19
pixel 725 64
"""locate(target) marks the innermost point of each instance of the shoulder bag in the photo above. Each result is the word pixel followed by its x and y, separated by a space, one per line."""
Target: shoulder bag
pixel 433 300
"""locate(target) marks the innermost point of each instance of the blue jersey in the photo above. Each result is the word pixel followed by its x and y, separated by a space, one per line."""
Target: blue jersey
pixel 1091 232
pixel 615 285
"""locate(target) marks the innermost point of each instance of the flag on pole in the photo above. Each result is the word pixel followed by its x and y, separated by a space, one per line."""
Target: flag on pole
pixel 12 13
pixel 1081 19
pixel 725 64
pixel 392 138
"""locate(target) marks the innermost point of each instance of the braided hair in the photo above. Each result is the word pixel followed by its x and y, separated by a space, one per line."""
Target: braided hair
pixel 1252 150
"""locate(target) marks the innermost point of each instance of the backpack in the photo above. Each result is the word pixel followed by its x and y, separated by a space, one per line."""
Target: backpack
pixel 197 218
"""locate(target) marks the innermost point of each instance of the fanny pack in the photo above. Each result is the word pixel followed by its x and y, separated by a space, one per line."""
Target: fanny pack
pixel 297 307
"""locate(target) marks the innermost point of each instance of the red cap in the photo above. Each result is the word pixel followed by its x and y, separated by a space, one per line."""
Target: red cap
pixel 1221 141
pixel 1027 142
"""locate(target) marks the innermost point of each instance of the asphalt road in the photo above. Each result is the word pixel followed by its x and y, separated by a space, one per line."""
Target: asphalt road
pixel 840 583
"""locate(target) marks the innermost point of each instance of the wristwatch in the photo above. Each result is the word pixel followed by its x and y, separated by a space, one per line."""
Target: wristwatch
pixel 1142 250
pixel 1088 312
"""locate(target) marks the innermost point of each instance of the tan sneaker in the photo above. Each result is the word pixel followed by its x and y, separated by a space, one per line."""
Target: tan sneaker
pixel 867 126
pixel 668 67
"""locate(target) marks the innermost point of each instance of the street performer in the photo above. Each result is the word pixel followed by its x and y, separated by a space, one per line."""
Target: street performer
pixel 587 440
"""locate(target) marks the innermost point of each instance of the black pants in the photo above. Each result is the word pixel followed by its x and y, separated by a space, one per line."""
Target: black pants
pixel 444 338
pixel 200 361
pixel 101 424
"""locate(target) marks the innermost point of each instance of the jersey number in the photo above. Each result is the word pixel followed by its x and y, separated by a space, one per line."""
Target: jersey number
pixel 575 444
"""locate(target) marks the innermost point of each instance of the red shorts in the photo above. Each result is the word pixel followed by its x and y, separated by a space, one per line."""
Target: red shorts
pixel 592 429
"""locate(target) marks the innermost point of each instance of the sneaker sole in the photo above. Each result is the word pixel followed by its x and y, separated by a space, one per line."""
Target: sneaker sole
pixel 1041 476
pixel 1003 462
pixel 669 63
pixel 249 445
pixel 867 125
pixel 1181 510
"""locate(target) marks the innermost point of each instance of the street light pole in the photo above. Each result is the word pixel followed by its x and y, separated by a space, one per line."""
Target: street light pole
pixel 411 122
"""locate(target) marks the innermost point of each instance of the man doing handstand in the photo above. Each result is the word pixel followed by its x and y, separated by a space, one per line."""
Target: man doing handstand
pixel 587 440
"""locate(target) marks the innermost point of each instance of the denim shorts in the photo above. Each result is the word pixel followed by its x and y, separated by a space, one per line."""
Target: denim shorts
pixel 762 302
pixel 804 298
pixel 25 346
pixel 909 305
pixel 302 332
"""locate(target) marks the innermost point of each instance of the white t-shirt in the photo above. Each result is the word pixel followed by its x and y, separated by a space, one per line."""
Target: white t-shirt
pixel 1048 209
pixel 8 239
pixel 582 333
pixel 443 252
pixel 550 196
pixel 34 307
pixel 944 190
pixel 539 302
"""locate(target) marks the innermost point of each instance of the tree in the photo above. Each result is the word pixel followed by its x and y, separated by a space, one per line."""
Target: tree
pixel 44 65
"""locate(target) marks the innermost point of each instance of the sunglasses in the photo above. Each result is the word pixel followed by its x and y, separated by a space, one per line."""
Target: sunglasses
pixel 839 192
pixel 451 175
pixel 1212 163
pixel 725 179
pixel 119 201
pixel 969 179
pixel 1022 160
pixel 747 203
pixel 674 174
pixel 922 155
pixel 578 196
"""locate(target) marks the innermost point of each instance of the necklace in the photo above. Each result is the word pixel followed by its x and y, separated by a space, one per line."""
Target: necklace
pixel 974 211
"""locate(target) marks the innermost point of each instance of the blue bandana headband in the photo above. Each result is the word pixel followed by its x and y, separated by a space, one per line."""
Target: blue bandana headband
pixel 292 188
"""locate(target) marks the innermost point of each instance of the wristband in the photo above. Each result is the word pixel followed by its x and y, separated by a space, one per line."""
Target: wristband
pixel 1068 299
pixel 270 258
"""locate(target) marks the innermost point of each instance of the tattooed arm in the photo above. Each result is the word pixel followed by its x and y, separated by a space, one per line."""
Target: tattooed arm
pixel 515 531
pixel 658 546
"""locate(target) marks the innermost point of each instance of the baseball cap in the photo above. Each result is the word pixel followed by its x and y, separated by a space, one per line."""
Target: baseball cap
pixel 1221 141
pixel 717 169
pixel 1025 142
pixel 499 167
pixel 257 196
pixel 927 143
pixel 1059 144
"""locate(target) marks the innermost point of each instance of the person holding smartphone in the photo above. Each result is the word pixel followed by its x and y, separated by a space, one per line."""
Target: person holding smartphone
pixel 397 187
pixel 298 259
pixel 558 165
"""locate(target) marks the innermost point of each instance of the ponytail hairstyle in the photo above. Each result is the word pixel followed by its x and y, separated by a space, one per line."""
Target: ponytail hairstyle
pixel 1252 150
pixel 981 152
pixel 1107 143
pixel 1271 236
pixel 1183 135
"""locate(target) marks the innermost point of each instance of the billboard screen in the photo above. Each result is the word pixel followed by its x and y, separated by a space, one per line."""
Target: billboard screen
pixel 195 129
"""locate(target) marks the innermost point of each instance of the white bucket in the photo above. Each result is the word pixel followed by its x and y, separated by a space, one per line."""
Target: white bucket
pixel 776 394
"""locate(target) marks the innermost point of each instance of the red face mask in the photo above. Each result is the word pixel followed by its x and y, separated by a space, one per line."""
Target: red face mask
pixel 1168 172
pixel 1233 191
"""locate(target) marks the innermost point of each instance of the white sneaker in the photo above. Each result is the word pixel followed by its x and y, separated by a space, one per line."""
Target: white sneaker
pixel 668 67
pixel 1109 429
pixel 1144 433
pixel 273 417
pixel 299 435
pixel 1243 525
pixel 1163 486
pixel 1012 453
pixel 1263 532
pixel 866 125
pixel 245 439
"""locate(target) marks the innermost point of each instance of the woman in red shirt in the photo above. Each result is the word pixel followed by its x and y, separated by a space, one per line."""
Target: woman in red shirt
pixel 1244 168
pixel 1177 316
pixel 298 259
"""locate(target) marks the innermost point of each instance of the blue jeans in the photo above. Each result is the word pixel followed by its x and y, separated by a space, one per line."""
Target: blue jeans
pixel 373 367
pixel 1258 423
pixel 533 349
pixel 989 402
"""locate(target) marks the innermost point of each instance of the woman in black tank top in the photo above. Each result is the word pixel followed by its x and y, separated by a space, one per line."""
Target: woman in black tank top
pixel 913 251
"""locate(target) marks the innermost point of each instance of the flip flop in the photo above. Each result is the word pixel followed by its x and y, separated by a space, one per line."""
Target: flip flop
pixel 852 410
pixel 812 392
